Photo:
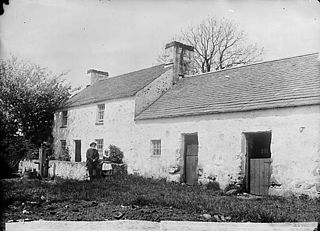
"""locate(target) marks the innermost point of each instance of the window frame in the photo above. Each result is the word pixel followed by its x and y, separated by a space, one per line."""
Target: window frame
pixel 155 147
pixel 100 113
pixel 100 150
pixel 64 119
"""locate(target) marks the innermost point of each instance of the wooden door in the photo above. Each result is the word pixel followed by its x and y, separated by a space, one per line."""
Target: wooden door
pixel 259 176
pixel 77 150
pixel 191 163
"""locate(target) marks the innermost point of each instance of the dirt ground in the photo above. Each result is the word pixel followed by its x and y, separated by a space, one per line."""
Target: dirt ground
pixel 93 211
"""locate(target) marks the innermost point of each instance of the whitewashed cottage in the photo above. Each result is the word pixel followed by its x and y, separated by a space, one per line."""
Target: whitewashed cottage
pixel 257 125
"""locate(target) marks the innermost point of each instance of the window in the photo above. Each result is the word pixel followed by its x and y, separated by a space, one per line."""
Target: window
pixel 64 119
pixel 100 146
pixel 63 145
pixel 156 147
pixel 100 114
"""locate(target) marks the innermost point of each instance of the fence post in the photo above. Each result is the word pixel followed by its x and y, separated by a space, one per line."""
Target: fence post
pixel 42 161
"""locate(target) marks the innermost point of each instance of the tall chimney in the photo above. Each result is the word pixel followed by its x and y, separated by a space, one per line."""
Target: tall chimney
pixel 180 55
pixel 96 75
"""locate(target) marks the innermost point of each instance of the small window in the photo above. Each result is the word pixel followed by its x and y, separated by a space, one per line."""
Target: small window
pixel 64 119
pixel 100 146
pixel 63 144
pixel 156 147
pixel 100 115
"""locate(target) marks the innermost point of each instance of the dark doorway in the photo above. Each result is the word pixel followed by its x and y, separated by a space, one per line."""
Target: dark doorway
pixel 77 150
pixel 258 162
pixel 191 158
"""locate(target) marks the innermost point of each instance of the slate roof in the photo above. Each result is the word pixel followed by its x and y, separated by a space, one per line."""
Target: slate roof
pixel 280 83
pixel 121 86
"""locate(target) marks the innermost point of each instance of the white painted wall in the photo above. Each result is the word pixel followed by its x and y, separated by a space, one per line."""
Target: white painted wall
pixel 154 90
pixel 295 146
pixel 68 170
pixel 118 127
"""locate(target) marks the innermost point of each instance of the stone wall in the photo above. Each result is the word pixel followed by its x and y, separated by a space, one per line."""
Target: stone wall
pixel 63 169
pixel 28 165
pixel 68 170
pixel 153 91
pixel 295 147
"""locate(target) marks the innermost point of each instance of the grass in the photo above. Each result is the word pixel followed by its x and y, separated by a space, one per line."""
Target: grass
pixel 134 190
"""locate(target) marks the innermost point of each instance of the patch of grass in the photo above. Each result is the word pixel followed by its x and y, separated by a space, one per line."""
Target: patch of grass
pixel 135 190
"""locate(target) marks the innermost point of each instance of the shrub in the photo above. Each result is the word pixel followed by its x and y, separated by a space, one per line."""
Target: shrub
pixel 233 186
pixel 12 150
pixel 213 185
pixel 115 154
pixel 64 155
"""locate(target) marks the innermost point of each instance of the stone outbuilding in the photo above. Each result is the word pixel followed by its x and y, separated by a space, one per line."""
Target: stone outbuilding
pixel 257 125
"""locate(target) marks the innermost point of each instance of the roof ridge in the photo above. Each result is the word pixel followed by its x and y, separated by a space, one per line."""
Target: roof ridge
pixel 125 85
pixel 132 72
pixel 285 86
pixel 251 64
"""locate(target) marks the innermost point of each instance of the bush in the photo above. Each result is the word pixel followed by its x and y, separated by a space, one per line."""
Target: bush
pixel 12 150
pixel 115 154
pixel 233 186
pixel 64 155
pixel 213 185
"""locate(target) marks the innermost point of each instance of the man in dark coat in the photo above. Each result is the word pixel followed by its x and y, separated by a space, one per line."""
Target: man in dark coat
pixel 92 161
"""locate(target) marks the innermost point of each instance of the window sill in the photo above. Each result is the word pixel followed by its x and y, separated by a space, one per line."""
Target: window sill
pixel 155 156
pixel 99 123
pixel 63 126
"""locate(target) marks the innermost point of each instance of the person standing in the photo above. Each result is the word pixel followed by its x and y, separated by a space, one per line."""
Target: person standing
pixel 92 161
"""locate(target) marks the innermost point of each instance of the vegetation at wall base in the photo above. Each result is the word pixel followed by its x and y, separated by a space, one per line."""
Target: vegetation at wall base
pixel 140 198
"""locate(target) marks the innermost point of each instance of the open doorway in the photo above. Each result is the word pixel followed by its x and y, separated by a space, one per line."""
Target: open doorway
pixel 258 160
pixel 190 158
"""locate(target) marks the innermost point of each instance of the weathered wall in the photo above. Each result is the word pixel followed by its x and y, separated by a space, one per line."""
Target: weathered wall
pixel 295 146
pixel 117 129
pixel 28 165
pixel 153 91
pixel 68 170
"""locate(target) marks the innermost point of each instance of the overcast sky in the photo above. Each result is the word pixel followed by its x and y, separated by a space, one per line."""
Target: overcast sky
pixel 119 36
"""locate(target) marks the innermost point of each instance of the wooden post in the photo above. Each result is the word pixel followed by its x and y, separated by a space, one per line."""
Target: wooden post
pixel 42 161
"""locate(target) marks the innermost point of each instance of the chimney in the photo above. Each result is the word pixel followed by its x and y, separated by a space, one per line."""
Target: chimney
pixel 180 56
pixel 96 75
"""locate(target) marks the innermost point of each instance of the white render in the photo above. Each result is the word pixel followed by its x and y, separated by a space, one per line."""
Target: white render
pixel 153 91
pixel 119 125
pixel 295 146
pixel 117 129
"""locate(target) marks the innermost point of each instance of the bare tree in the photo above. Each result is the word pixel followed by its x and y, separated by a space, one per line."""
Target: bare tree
pixel 218 44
